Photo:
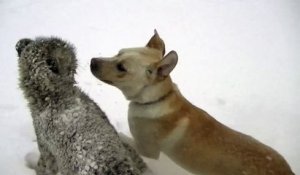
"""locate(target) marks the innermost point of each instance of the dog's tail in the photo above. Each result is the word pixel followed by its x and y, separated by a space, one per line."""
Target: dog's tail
pixel 31 159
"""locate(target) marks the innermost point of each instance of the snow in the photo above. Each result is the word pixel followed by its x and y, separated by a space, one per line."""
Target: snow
pixel 238 60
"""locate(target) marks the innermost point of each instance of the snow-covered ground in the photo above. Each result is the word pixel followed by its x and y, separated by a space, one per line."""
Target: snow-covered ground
pixel 238 60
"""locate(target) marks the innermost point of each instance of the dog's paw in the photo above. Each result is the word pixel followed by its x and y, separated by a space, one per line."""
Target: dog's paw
pixel 32 159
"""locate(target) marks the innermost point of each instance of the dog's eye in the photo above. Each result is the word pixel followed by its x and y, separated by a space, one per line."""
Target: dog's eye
pixel 121 67
pixel 149 71
pixel 52 65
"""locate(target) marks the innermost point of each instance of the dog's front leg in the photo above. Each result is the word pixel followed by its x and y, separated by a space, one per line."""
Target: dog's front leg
pixel 147 149
pixel 136 159
pixel 127 140
pixel 46 164
pixel 130 145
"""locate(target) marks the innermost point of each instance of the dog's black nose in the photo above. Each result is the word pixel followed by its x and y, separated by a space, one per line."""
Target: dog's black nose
pixel 21 44
pixel 94 64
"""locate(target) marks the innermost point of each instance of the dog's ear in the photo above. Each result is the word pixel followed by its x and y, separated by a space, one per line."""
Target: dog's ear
pixel 167 64
pixel 156 42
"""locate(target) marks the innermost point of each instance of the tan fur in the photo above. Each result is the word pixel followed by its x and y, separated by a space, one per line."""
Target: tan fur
pixel 162 120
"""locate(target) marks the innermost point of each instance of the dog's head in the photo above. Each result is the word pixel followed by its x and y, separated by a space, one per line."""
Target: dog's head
pixel 45 63
pixel 133 70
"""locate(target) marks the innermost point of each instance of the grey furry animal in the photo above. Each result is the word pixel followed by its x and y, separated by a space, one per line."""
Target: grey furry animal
pixel 74 135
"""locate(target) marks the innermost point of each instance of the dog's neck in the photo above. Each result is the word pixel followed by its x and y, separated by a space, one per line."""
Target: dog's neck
pixel 156 101
pixel 151 94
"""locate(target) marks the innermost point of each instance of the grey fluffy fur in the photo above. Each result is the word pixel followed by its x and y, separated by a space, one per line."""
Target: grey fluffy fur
pixel 74 136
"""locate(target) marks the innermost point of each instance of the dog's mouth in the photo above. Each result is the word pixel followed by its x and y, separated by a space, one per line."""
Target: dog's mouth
pixel 98 77
pixel 107 81
pixel 94 66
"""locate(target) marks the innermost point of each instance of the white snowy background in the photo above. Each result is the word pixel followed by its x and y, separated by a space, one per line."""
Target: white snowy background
pixel 238 59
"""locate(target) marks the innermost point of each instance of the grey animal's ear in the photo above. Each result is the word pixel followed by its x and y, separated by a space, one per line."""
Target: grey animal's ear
pixel 167 64
pixel 21 44
pixel 156 43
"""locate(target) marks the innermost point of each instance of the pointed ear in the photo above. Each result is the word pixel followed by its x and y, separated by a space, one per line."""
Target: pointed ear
pixel 156 43
pixel 167 64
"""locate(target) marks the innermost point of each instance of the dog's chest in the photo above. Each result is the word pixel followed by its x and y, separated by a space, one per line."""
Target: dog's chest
pixel 44 125
pixel 53 121
pixel 144 130
pixel 163 131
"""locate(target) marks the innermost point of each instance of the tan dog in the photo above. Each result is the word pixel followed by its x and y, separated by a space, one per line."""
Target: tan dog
pixel 162 120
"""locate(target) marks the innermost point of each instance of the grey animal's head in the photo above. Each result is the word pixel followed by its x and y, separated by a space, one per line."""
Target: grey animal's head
pixel 46 65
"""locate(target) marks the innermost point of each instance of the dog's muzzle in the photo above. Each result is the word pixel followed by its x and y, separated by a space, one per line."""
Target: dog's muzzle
pixel 94 65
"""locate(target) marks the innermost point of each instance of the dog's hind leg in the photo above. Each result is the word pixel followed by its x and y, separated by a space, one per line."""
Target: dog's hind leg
pixel 46 164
